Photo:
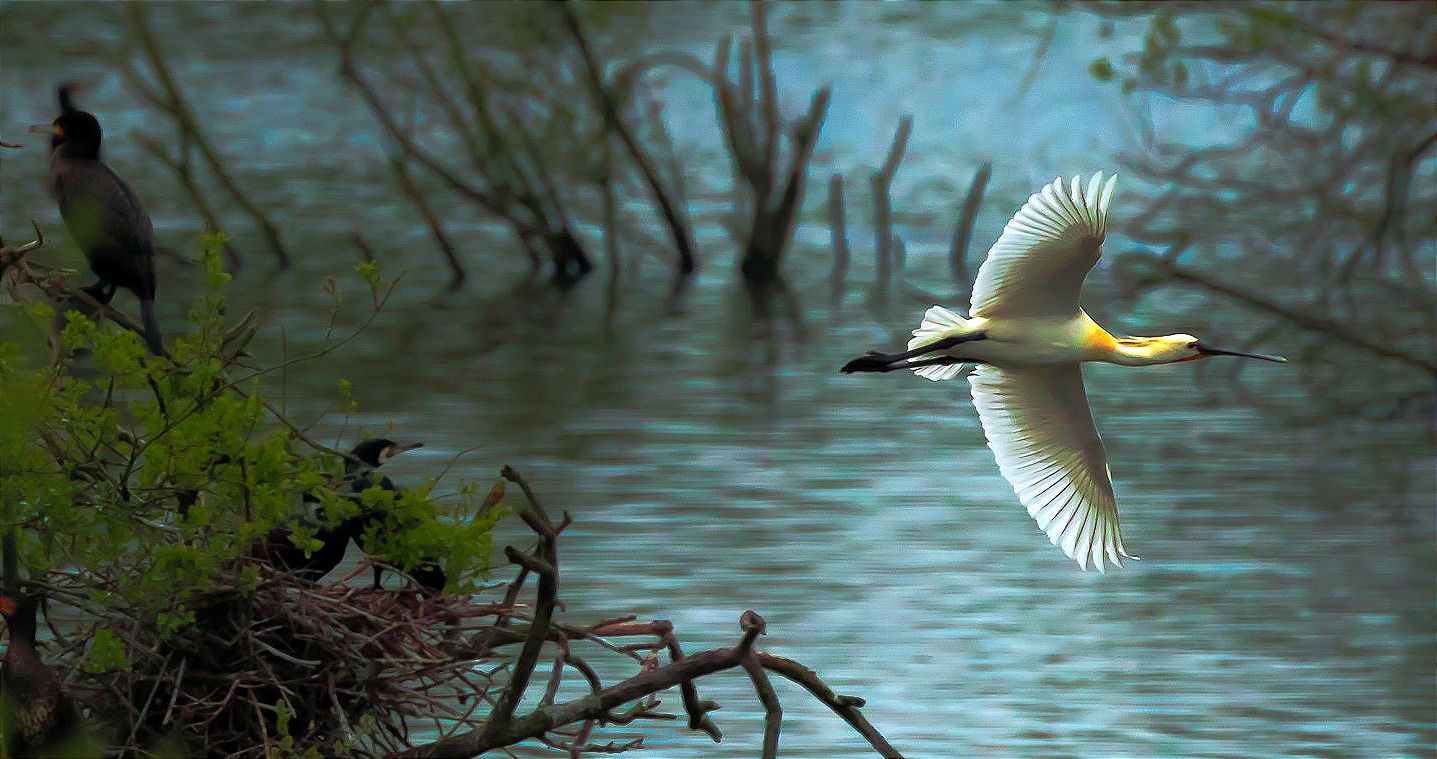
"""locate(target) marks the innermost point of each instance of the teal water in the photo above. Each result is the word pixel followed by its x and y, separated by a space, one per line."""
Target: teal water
pixel 1284 604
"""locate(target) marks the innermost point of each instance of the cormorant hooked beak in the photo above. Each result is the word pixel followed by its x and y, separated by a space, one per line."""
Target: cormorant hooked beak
pixel 1208 350
pixel 395 450
pixel 53 129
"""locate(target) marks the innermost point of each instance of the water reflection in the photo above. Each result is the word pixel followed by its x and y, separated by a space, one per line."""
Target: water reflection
pixel 1284 604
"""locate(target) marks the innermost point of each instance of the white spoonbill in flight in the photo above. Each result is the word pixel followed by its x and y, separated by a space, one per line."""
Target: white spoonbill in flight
pixel 1027 336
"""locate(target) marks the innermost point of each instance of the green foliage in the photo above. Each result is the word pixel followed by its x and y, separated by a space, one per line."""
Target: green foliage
pixel 409 531
pixel 105 653
pixel 369 272
pixel 283 713
pixel 156 477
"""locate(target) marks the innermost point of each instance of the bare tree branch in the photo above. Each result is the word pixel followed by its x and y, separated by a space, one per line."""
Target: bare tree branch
pixel 184 117
pixel 608 105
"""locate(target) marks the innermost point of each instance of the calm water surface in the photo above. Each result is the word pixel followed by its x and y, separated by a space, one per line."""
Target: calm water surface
pixel 1284 604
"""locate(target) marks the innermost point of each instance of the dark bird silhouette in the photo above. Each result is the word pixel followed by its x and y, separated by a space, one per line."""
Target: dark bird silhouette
pixel 280 551
pixel 102 214
pixel 359 468
pixel 40 718
pixel 368 456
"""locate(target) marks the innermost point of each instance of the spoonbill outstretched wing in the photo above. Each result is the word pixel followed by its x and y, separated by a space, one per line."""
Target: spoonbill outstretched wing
pixel 1036 418
pixel 1037 422
pixel 1037 266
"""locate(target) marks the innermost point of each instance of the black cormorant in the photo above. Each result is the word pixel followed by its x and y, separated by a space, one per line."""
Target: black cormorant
pixel 102 214
pixel 368 456
pixel 280 551
pixel 283 554
pixel 45 719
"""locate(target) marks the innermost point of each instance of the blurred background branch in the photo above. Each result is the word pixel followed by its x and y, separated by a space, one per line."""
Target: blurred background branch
pixel 1311 202
pixel 170 99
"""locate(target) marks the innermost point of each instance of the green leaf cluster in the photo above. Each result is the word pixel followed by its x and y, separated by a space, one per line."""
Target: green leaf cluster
pixel 154 478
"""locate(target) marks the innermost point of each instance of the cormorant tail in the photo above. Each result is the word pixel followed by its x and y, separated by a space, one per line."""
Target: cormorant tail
pixel 152 327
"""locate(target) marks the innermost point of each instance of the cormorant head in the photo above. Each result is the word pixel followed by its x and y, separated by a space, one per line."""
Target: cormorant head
pixel 77 132
pixel 19 614
pixel 374 452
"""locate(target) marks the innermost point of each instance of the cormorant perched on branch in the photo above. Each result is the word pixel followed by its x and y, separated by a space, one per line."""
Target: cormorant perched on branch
pixel 44 718
pixel 102 214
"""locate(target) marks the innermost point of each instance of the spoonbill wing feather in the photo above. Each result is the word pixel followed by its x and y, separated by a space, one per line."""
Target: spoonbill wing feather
pixel 940 372
pixel 1037 266
pixel 1038 424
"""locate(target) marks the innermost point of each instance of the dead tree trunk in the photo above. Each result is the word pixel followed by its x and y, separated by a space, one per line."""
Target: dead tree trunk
pixel 839 236
pixel 567 257
pixel 753 131
pixel 963 232
pixel 881 182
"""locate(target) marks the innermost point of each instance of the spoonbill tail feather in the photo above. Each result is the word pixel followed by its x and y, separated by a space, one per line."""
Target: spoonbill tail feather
pixel 938 323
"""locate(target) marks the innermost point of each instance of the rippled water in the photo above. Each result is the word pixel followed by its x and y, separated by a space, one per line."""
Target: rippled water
pixel 1284 606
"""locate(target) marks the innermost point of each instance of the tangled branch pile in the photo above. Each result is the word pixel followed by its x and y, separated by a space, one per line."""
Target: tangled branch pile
pixel 285 668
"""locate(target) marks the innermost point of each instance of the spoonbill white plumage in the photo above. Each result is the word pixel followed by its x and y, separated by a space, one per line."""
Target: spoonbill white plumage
pixel 1027 336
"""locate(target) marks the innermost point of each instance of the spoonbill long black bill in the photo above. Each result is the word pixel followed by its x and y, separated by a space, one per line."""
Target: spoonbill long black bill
pixel 1027 338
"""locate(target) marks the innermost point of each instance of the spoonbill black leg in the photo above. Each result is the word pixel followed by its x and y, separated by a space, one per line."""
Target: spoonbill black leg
pixel 874 361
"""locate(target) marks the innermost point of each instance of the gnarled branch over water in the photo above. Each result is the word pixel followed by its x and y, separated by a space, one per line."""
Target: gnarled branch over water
pixel 502 728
